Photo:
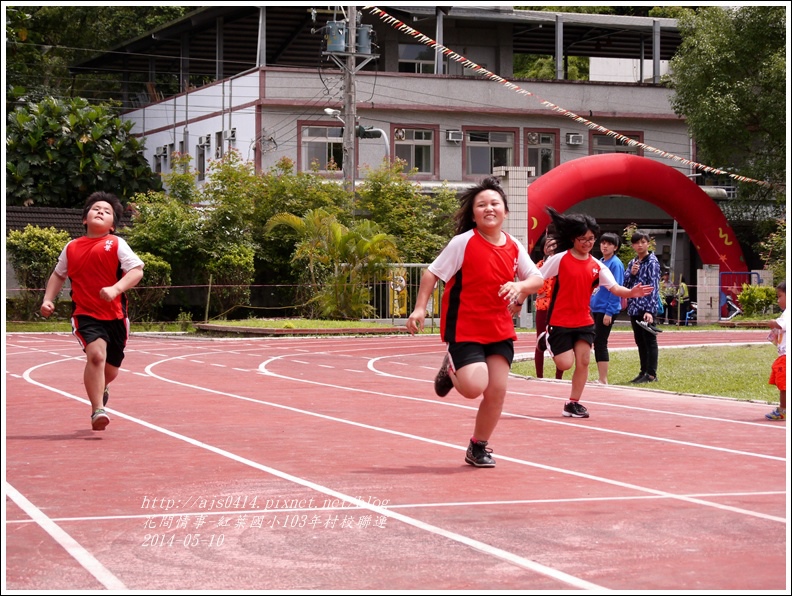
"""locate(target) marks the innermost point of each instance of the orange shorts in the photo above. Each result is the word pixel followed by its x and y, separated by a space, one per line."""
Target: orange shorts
pixel 778 373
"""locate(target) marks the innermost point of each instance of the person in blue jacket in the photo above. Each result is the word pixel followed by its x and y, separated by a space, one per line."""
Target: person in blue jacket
pixel 605 306
pixel 644 269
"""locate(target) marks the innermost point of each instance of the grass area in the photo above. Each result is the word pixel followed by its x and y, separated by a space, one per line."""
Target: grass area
pixel 65 326
pixel 739 372
pixel 300 324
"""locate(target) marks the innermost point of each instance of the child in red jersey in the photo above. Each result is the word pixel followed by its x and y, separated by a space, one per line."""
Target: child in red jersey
pixel 479 267
pixel 778 329
pixel 101 267
pixel 570 330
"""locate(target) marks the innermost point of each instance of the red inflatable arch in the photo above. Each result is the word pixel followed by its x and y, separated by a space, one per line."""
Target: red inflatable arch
pixel 642 178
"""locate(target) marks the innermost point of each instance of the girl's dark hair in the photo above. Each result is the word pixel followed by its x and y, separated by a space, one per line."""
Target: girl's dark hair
pixel 571 226
pixel 639 235
pixel 115 203
pixel 612 239
pixel 463 218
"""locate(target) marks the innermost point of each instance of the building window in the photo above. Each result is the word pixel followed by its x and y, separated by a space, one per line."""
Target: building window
pixel 219 149
pixel 324 147
pixel 418 58
pixel 200 161
pixel 606 144
pixel 486 150
pixel 541 150
pixel 416 147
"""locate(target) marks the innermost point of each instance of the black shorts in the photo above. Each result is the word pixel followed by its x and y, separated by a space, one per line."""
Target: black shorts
pixel 115 333
pixel 563 339
pixel 468 352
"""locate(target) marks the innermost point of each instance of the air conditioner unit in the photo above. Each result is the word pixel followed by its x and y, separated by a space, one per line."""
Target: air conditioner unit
pixel 160 152
pixel 574 139
pixel 229 135
pixel 454 136
pixel 204 141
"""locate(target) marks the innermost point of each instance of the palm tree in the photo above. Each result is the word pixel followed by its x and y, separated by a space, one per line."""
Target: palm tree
pixel 342 262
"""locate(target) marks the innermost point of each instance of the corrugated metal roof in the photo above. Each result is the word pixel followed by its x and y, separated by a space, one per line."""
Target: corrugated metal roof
pixel 68 220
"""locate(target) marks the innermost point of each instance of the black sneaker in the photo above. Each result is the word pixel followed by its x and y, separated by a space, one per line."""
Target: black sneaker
pixel 573 409
pixel 478 454
pixel 443 383
pixel 646 379
pixel 105 396
pixel 638 378
pixel 650 327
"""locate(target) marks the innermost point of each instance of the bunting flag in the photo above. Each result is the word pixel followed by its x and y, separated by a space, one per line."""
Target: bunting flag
pixel 396 23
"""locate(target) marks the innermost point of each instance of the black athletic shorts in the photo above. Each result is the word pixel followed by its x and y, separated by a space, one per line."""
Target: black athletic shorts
pixel 563 339
pixel 115 333
pixel 468 352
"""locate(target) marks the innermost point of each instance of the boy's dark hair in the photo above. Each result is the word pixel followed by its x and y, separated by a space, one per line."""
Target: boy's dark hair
pixel 464 215
pixel 781 287
pixel 115 203
pixel 612 239
pixel 639 235
pixel 571 226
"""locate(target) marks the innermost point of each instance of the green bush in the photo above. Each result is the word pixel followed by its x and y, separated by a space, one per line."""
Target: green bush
pixel 232 273
pixel 146 298
pixel 33 253
pixel 757 300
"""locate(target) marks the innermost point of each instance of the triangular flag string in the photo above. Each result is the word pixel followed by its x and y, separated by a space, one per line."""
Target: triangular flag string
pixel 390 20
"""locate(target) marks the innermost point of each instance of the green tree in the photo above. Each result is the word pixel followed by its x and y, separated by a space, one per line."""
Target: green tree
pixel 773 251
pixel 343 261
pixel 421 224
pixel 534 66
pixel 171 230
pixel 283 190
pixel 729 81
pixel 231 274
pixel 42 42
pixel 59 152
pixel 146 298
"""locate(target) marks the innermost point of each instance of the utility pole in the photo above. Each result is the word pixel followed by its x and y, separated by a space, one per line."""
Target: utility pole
pixel 350 110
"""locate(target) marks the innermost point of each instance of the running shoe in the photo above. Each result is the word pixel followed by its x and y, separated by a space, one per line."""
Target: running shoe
pixel 573 409
pixel 478 454
pixel 650 327
pixel 776 415
pixel 645 379
pixel 99 420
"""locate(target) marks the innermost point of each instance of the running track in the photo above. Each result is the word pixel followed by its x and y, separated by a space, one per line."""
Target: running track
pixel 329 464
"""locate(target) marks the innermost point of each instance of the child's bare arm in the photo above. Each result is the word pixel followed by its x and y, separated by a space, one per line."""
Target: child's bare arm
pixel 54 286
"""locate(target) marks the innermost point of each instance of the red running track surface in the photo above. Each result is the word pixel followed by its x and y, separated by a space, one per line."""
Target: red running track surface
pixel 329 464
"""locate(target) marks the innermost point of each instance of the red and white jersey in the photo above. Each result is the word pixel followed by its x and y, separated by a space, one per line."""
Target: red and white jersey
pixel 92 264
pixel 473 271
pixel 575 281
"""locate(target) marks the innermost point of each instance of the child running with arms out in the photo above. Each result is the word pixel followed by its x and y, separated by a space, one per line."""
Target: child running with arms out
pixel 101 267
pixel 778 370
pixel 570 330
pixel 479 266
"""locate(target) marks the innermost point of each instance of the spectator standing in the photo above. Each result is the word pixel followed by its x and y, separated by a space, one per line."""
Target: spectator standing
pixel 605 305
pixel 644 269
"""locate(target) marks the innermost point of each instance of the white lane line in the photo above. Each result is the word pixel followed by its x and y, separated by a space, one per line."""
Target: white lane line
pixel 69 544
